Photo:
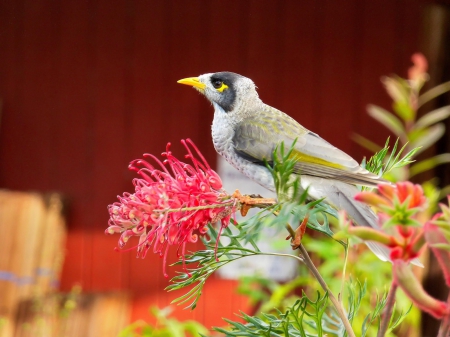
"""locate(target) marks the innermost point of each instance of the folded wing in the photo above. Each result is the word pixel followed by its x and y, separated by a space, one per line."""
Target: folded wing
pixel 256 138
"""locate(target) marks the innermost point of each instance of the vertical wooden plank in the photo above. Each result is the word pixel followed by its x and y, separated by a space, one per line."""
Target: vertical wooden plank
pixel 264 59
pixel 336 72
pixel 377 45
pixel 74 125
pixel 39 96
pixel 11 58
pixel 109 141
pixel 295 83
pixel 184 57
pixel 148 80
pixel 409 22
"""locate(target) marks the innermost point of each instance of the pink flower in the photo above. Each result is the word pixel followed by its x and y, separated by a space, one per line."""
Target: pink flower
pixel 437 235
pixel 418 72
pixel 405 278
pixel 171 205
pixel 388 195
pixel 397 204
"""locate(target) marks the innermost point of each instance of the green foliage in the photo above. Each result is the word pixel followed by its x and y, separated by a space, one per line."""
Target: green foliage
pixel 414 134
pixel 200 265
pixel 306 317
pixel 383 162
pixel 164 326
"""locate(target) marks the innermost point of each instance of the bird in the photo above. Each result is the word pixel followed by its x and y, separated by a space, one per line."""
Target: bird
pixel 246 131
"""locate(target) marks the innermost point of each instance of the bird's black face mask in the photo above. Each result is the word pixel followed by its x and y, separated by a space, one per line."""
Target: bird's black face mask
pixel 224 91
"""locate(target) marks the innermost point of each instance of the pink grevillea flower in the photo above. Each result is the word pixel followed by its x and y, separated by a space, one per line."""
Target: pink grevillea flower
pixel 172 203
pixel 397 204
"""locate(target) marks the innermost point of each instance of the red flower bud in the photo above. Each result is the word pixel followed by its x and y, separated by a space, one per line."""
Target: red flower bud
pixel 436 238
pixel 405 278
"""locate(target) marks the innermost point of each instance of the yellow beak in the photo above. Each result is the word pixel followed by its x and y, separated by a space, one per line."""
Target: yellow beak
pixel 193 82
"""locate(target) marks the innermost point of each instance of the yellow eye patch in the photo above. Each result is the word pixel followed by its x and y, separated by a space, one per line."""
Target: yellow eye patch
pixel 222 87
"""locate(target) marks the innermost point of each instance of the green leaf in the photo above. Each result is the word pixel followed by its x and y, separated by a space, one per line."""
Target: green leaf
pixel 404 110
pixel 428 164
pixel 365 143
pixel 381 164
pixel 443 246
pixel 432 135
pixel 395 323
pixel 395 88
pixel 433 117
pixel 387 119
pixel 304 318
pixel 433 93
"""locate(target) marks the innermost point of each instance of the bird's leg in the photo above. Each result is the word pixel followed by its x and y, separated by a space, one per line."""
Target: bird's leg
pixel 296 238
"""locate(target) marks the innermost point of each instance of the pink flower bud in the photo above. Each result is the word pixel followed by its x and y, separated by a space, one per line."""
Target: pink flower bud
pixel 371 199
pixel 405 278
pixel 435 237
pixel 419 69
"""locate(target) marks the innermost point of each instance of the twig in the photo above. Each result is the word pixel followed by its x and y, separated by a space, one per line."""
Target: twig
pixel 444 329
pixel 388 310
pixel 245 202
pixel 308 262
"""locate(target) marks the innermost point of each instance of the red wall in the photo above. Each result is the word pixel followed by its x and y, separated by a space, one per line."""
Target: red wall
pixel 88 86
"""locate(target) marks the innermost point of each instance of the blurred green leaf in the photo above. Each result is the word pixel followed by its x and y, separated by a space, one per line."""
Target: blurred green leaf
pixel 428 164
pixel 433 117
pixel 366 143
pixel 443 246
pixel 434 92
pixel 444 192
pixel 395 88
pixel 404 110
pixel 164 326
pixel 415 134
pixel 387 119
pixel 431 136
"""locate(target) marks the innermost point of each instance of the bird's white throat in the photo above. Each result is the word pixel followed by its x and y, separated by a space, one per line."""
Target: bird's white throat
pixel 222 131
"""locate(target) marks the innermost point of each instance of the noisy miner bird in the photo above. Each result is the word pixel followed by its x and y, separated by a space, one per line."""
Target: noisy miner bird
pixel 245 132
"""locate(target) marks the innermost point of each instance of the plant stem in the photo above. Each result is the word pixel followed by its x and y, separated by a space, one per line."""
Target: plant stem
pixel 444 329
pixel 344 269
pixel 388 310
pixel 308 262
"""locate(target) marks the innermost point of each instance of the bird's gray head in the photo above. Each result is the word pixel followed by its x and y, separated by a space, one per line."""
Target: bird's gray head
pixel 226 89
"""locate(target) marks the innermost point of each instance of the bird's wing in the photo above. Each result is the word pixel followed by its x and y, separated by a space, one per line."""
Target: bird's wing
pixel 255 139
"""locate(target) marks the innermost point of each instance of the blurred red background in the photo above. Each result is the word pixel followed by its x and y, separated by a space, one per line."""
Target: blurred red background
pixel 87 86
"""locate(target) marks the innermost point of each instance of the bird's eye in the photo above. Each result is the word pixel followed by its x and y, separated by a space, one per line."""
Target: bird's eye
pixel 217 84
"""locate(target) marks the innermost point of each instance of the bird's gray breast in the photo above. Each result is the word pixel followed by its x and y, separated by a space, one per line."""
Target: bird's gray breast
pixel 223 134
